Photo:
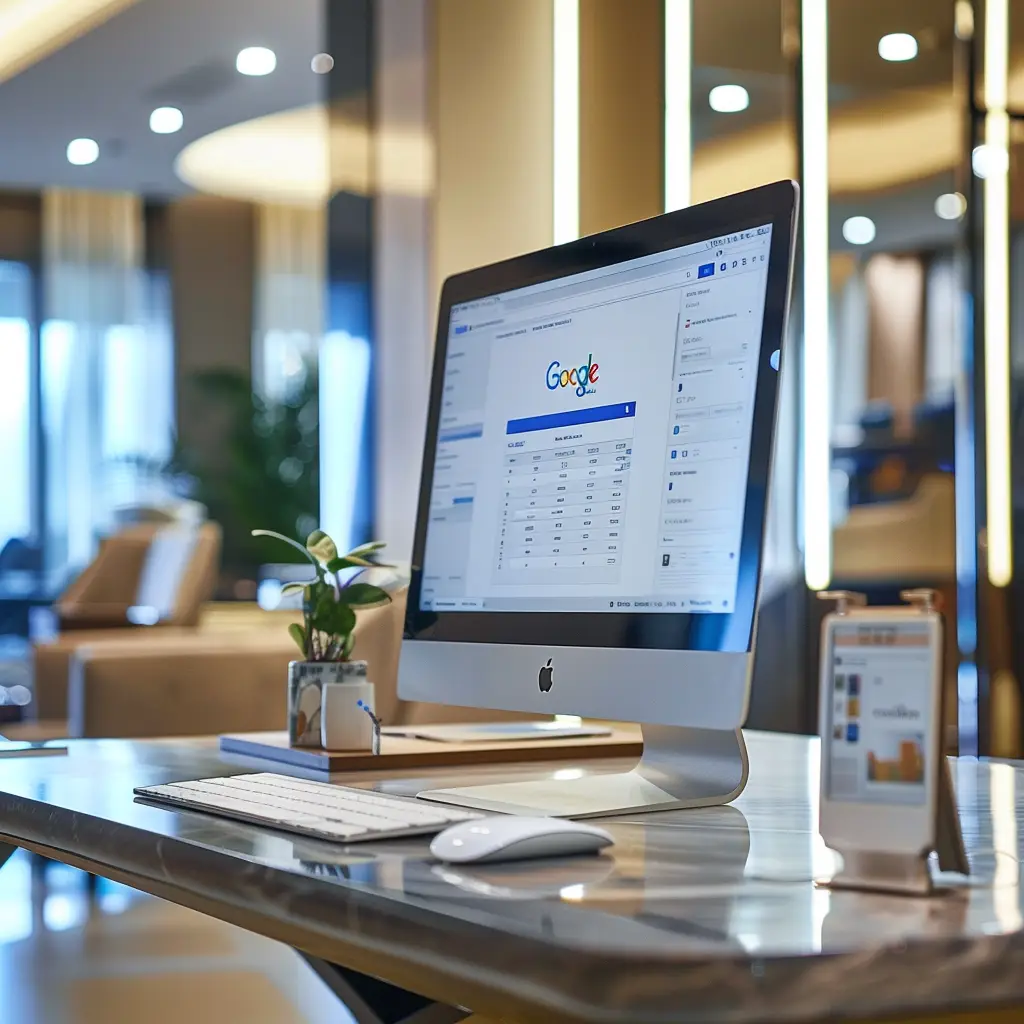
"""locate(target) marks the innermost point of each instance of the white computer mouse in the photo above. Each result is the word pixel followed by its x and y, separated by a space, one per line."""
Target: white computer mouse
pixel 507 837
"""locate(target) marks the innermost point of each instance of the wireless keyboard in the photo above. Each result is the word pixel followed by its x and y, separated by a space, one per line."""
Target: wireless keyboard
pixel 314 809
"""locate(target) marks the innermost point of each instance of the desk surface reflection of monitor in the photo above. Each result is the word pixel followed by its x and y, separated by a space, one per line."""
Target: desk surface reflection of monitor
pixel 592 505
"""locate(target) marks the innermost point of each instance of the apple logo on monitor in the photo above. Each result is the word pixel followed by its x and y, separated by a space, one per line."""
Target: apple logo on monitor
pixel 544 677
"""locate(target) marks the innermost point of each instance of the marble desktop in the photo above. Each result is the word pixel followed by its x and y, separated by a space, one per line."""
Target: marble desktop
pixel 694 915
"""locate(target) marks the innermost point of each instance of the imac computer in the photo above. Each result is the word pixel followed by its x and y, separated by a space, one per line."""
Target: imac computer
pixel 592 505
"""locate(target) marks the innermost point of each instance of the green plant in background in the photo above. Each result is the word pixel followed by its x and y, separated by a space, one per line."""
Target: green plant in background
pixel 260 464
pixel 328 600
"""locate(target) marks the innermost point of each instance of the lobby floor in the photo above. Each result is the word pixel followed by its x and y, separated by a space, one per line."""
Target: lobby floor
pixel 125 957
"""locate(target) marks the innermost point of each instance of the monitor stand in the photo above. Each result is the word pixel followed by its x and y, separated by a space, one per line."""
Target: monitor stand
pixel 680 768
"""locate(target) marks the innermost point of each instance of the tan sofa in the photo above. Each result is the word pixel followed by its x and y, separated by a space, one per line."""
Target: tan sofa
pixel 228 675
pixel 97 606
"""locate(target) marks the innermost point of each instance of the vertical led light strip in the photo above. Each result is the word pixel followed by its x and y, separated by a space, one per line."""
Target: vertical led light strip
pixel 678 65
pixel 566 101
pixel 816 430
pixel 995 190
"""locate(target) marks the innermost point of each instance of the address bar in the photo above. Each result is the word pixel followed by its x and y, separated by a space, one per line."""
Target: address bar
pixel 613 280
pixel 670 265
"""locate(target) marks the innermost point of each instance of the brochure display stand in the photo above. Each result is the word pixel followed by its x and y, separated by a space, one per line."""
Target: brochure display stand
pixel 887 799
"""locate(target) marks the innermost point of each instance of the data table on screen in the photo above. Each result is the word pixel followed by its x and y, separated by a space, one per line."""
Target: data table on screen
pixel 564 508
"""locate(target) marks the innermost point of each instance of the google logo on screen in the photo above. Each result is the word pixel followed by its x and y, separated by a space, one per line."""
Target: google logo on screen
pixel 579 377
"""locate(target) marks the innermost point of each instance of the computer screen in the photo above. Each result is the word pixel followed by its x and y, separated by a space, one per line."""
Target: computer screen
pixel 877 740
pixel 593 445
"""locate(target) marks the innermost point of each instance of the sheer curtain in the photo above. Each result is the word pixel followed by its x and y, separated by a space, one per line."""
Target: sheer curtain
pixel 107 368
pixel 291 251
pixel 292 294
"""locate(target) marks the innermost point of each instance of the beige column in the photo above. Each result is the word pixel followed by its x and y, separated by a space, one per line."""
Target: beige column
pixel 487 69
pixel 622 104
pixel 475 78
pixel 493 126
pixel 211 244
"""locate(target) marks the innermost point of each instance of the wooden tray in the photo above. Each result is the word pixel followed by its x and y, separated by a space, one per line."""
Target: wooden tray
pixel 398 752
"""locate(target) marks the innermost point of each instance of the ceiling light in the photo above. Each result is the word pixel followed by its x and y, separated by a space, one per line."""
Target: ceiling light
pixel 301 157
pixel 988 161
pixel 859 230
pixel 729 99
pixel 166 120
pixel 897 46
pixel 83 151
pixel 255 60
pixel 322 63
pixel 950 206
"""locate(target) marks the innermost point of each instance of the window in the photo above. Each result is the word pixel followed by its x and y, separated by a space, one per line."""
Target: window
pixel 15 403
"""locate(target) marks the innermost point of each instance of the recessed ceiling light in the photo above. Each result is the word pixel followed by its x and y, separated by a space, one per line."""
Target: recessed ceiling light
pixel 988 160
pixel 83 151
pixel 859 230
pixel 255 60
pixel 166 120
pixel 950 206
pixel 729 99
pixel 322 63
pixel 897 46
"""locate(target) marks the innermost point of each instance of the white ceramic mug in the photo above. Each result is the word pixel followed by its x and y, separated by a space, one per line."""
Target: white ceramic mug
pixel 344 725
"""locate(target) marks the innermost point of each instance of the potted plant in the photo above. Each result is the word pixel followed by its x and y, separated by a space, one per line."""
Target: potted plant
pixel 326 635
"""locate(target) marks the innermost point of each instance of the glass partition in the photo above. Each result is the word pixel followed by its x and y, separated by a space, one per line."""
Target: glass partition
pixel 897 306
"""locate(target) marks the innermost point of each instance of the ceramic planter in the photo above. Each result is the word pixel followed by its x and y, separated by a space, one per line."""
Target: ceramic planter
pixel 306 681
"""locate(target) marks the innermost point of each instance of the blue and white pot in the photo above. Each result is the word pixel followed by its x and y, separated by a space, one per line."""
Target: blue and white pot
pixel 306 680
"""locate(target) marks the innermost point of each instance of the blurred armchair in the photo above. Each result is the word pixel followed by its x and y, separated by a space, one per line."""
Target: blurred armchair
pixel 145 580
pixel 145 575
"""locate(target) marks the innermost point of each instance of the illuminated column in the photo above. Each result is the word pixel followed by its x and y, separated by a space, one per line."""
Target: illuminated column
pixel 999 717
pixel 816 431
pixel 565 110
pixel 678 63
pixel 995 164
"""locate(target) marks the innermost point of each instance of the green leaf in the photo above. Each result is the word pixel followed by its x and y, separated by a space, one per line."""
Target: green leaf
pixel 326 614
pixel 345 620
pixel 322 599
pixel 295 587
pixel 293 543
pixel 321 547
pixel 348 562
pixel 364 594
pixel 368 548
pixel 298 634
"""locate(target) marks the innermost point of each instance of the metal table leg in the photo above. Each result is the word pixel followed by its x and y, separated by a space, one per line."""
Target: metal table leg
pixel 371 1001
